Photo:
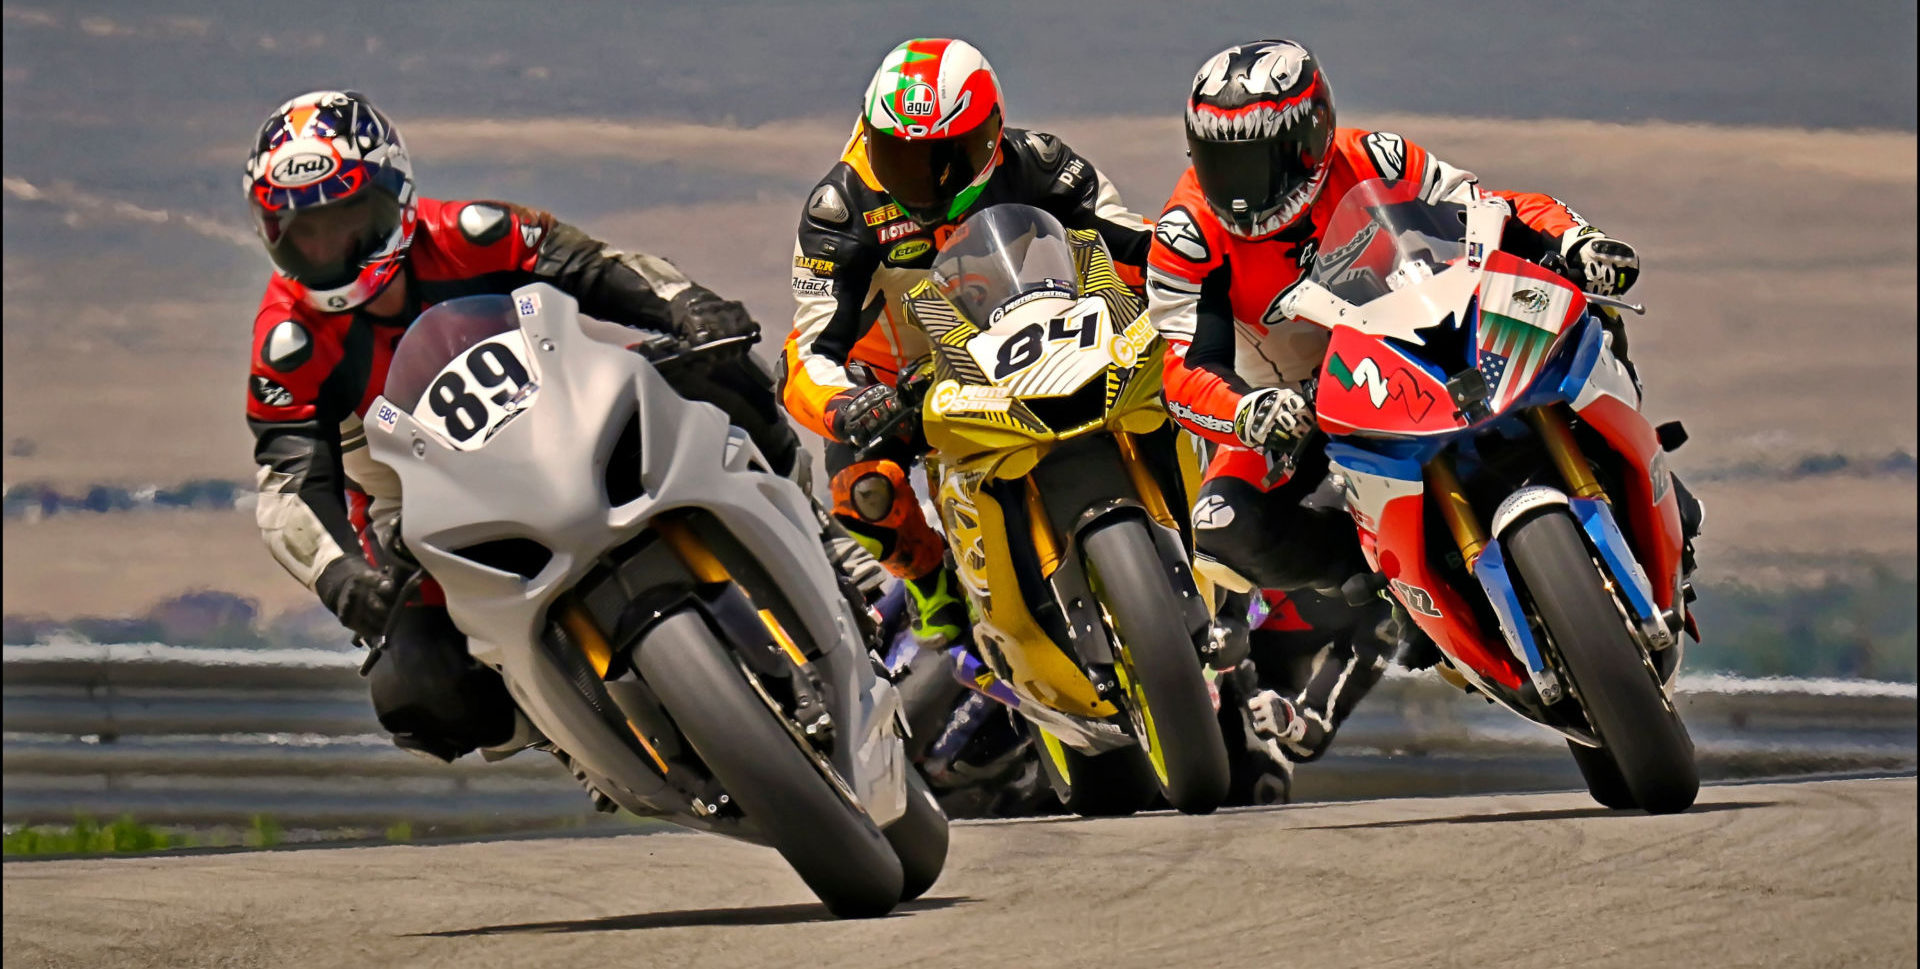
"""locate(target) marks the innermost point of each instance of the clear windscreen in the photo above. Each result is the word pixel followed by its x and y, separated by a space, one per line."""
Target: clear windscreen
pixel 442 333
pixel 1001 254
pixel 1383 237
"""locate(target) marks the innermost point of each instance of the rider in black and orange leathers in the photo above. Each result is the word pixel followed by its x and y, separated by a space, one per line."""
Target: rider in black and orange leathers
pixel 930 147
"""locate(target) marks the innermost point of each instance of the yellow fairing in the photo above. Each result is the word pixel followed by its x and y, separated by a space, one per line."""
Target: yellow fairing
pixel 980 434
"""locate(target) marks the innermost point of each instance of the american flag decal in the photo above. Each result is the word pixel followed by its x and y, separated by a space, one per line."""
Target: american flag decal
pixel 1519 322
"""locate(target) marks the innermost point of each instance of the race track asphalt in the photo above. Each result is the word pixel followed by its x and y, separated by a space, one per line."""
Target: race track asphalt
pixel 1810 873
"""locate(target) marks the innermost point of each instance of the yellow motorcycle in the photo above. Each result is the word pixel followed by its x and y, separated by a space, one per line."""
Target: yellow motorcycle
pixel 1064 489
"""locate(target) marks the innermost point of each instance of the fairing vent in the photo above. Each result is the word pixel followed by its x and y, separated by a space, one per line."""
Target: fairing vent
pixel 1078 409
pixel 523 557
pixel 622 478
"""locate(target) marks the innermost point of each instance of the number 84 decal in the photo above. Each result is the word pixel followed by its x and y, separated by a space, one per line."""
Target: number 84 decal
pixel 1029 344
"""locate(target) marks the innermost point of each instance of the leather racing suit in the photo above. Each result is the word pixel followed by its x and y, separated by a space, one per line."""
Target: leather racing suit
pixel 323 498
pixel 856 256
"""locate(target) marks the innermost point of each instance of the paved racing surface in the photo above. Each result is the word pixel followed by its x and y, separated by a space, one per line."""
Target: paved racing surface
pixel 1814 873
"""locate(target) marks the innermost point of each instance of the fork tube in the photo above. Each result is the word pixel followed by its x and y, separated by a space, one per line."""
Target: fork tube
pixel 1558 439
pixel 1041 530
pixel 1143 481
pixel 581 629
pixel 1451 498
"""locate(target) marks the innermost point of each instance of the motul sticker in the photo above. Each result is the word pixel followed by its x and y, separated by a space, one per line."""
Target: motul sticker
pixel 896 230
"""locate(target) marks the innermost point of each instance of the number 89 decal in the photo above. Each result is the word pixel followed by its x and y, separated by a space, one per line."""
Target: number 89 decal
pixel 475 392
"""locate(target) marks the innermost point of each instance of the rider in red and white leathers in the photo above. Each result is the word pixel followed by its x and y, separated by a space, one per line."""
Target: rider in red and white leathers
pixel 1242 227
pixel 357 256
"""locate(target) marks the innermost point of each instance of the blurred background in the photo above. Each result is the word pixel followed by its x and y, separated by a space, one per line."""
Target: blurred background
pixel 1761 156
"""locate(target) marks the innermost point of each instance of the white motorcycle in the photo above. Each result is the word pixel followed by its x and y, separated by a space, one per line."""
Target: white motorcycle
pixel 655 598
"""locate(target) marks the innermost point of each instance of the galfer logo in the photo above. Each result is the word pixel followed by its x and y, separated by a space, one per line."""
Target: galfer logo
pixel 304 168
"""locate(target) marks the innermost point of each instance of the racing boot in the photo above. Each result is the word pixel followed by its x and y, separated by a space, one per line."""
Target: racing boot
pixel 940 614
pixel 1230 638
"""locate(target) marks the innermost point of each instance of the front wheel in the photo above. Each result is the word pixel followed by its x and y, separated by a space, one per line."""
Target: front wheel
pixel 1159 667
pixel 1113 784
pixel 919 837
pixel 1602 776
pixel 836 848
pixel 1629 712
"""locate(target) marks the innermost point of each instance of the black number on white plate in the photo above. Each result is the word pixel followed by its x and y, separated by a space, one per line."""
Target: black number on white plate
pixel 1022 350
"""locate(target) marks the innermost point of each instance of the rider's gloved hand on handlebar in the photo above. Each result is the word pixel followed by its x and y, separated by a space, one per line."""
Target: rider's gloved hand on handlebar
pixel 1274 420
pixel 1600 264
pixel 862 415
pixel 701 317
pixel 359 594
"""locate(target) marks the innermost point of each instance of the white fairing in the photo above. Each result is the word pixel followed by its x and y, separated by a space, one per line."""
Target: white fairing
pixel 539 476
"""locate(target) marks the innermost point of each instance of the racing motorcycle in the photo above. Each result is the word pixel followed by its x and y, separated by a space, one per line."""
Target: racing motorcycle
pixel 1063 490
pixel 1492 453
pixel 655 598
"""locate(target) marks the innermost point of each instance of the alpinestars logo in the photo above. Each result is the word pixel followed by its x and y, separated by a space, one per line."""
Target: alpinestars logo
pixel 1198 419
pixel 1176 231
pixel 1212 512
pixel 1389 154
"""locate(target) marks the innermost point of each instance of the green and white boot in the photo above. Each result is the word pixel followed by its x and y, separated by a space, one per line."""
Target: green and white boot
pixel 939 616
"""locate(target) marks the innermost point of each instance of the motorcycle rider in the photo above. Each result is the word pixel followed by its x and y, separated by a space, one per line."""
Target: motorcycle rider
pixel 930 146
pixel 1243 226
pixel 358 255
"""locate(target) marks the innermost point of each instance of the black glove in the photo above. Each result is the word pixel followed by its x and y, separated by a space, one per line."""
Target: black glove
pixel 1601 265
pixel 359 594
pixel 701 317
pixel 860 416
pixel 1274 420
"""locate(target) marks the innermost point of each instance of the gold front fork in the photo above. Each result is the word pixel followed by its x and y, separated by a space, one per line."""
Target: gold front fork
pixel 1560 445
pixel 1451 498
pixel 1040 530
pixel 1143 480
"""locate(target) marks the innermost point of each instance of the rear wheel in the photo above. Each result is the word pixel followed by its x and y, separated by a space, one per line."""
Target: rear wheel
pixel 1642 733
pixel 1159 667
pixel 836 848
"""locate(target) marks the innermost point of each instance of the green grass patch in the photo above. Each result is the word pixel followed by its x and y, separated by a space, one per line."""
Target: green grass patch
pixel 1859 628
pixel 89 837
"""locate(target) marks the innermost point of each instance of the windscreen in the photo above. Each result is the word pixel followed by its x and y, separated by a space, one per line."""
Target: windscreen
pixel 1383 237
pixel 1000 254
pixel 463 368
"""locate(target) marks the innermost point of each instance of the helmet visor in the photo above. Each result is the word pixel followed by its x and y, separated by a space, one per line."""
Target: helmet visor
pixel 926 175
pixel 1246 181
pixel 324 246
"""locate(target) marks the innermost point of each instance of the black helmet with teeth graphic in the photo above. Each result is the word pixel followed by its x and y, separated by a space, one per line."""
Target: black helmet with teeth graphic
pixel 1260 133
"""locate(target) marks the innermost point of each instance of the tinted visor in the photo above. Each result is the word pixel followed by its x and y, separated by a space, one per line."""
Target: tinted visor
pixel 1259 174
pixel 324 246
pixel 925 175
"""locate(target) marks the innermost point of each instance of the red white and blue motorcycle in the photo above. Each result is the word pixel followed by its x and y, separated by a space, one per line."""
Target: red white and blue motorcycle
pixel 1493 456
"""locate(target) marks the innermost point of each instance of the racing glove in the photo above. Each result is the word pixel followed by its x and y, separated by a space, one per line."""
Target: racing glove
pixel 861 415
pixel 1274 420
pixel 359 594
pixel 1599 264
pixel 701 317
